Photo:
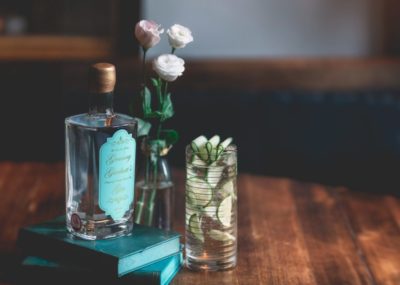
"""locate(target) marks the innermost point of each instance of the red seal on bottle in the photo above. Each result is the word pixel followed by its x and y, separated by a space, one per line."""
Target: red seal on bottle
pixel 76 222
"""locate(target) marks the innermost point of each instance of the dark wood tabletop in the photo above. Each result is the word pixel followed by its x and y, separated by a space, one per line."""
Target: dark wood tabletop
pixel 290 232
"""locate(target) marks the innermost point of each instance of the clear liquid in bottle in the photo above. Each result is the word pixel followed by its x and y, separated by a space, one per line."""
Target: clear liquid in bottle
pixel 100 164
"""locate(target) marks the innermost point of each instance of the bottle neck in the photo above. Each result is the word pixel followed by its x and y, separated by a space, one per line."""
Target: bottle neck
pixel 101 103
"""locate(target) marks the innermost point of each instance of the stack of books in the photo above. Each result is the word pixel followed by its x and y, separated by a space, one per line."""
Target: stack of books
pixel 51 254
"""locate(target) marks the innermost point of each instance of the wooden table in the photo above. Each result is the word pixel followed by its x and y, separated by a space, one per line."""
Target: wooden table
pixel 289 232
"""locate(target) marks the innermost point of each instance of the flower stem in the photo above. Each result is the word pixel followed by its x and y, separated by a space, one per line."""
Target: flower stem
pixel 150 205
pixel 159 130
pixel 140 204
pixel 165 89
pixel 144 69
pixel 159 94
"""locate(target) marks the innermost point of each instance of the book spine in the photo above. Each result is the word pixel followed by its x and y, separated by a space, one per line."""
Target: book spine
pixel 65 276
pixel 149 278
pixel 51 248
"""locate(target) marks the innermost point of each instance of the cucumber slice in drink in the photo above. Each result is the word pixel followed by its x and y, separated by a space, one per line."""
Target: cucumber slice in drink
pixel 212 148
pixel 198 168
pixel 198 146
pixel 197 143
pixel 188 214
pixel 220 235
pixel 199 192
pixel 226 143
pixel 195 227
pixel 214 141
pixel 228 189
pixel 211 212
pixel 214 174
pixel 198 162
pixel 224 211
pixel 223 145
pixel 190 172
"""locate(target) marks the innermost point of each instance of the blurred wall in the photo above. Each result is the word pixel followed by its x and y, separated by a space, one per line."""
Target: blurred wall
pixel 254 28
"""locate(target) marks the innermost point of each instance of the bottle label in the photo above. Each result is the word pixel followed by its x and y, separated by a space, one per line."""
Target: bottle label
pixel 117 174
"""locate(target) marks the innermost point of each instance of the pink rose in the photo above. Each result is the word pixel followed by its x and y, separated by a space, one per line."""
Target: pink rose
pixel 148 33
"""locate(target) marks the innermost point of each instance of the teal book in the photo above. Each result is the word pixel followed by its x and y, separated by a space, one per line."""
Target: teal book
pixel 113 257
pixel 38 269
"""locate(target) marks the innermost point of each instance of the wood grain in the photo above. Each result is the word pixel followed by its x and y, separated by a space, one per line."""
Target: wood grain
pixel 289 232
pixel 377 231
pixel 333 253
pixel 30 193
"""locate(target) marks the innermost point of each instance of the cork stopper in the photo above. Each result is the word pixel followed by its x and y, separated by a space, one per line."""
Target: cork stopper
pixel 102 78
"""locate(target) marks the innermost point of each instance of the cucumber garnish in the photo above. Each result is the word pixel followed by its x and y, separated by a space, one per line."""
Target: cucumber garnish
pixel 226 143
pixel 199 192
pixel 212 148
pixel 214 141
pixel 214 174
pixel 195 227
pixel 228 189
pixel 198 146
pixel 197 143
pixel 224 211
pixel 209 150
pixel 220 235
pixel 198 162
pixel 210 211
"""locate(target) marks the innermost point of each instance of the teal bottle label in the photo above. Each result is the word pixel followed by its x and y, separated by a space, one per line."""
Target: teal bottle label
pixel 117 174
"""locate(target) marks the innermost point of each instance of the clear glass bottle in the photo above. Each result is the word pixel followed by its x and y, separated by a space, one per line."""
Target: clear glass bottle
pixel 100 163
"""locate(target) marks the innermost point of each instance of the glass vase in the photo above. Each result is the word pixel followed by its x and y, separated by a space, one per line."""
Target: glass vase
pixel 154 189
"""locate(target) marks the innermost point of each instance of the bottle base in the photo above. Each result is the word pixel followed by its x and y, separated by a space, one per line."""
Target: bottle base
pixel 95 230
pixel 203 264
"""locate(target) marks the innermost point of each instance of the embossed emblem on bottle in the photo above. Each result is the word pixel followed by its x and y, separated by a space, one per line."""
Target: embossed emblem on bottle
pixel 117 174
pixel 76 222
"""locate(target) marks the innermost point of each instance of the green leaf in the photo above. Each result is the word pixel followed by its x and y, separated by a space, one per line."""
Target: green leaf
pixel 157 144
pixel 154 82
pixel 159 92
pixel 146 103
pixel 170 136
pixel 143 127
pixel 155 147
pixel 155 114
pixel 168 109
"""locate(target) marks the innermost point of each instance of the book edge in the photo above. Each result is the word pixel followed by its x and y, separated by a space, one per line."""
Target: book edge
pixel 123 271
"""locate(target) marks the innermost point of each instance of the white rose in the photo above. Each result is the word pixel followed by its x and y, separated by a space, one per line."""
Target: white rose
pixel 169 66
pixel 179 36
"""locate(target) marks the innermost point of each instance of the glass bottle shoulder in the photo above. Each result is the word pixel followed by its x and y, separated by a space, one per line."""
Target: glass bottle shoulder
pixel 99 120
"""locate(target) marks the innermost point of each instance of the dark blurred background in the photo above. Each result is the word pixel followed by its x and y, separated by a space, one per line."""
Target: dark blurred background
pixel 309 89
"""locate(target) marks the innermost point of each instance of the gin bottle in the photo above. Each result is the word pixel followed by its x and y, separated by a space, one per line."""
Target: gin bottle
pixel 100 163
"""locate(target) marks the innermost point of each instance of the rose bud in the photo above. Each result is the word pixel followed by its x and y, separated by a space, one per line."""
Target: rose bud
pixel 148 33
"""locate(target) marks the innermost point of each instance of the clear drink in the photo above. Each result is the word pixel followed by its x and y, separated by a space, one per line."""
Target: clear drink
pixel 211 211
pixel 85 135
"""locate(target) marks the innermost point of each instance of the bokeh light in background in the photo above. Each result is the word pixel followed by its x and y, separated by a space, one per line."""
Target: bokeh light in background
pixel 308 88
pixel 273 28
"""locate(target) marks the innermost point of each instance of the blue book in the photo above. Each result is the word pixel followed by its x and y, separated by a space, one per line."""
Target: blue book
pixel 113 258
pixel 158 273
